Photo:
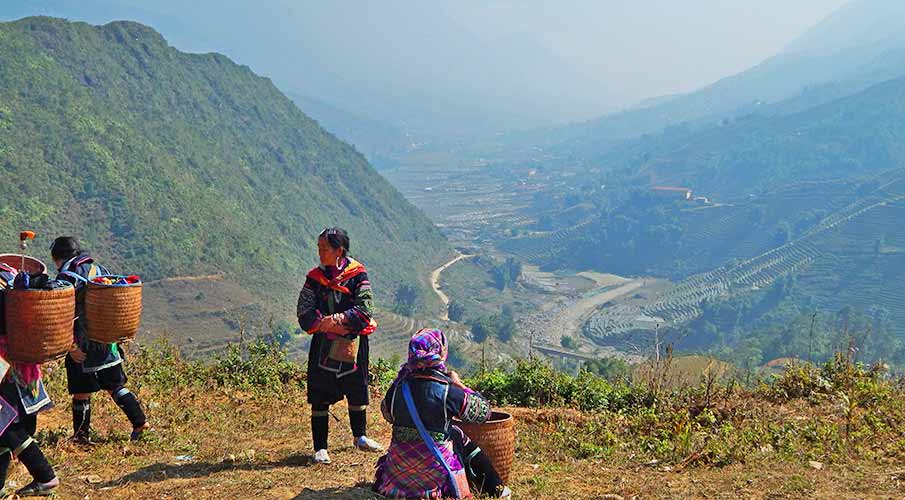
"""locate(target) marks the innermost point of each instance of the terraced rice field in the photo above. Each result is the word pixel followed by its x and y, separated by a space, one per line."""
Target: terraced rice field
pixel 540 245
pixel 842 245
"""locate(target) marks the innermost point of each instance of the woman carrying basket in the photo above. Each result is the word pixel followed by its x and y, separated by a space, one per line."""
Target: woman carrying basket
pixel 91 366
pixel 334 307
pixel 429 457
pixel 22 397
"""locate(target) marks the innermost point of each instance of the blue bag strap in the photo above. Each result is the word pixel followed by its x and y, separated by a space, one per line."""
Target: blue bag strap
pixel 77 277
pixel 429 441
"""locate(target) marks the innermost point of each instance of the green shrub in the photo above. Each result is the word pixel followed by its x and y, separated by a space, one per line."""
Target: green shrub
pixel 263 366
pixel 159 364
pixel 383 372
pixel 797 382
pixel 534 383
pixel 861 386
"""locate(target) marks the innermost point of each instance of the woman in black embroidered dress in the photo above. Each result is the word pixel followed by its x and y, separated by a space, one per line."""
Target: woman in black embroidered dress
pixel 335 307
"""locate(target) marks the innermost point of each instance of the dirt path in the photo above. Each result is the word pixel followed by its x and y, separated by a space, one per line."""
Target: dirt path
pixel 565 318
pixel 435 283
pixel 570 319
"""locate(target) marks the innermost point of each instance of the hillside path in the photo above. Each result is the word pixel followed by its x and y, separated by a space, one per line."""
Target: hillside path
pixel 566 318
pixel 571 318
pixel 435 283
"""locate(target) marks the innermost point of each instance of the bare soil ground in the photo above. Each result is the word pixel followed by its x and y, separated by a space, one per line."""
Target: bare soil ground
pixel 225 443
pixel 236 446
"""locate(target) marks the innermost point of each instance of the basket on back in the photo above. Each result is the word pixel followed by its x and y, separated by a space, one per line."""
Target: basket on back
pixel 13 260
pixel 39 323
pixel 112 311
pixel 496 438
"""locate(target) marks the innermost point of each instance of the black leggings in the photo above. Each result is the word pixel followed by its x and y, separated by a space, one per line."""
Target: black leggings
pixel 482 476
pixel 16 435
pixel 320 423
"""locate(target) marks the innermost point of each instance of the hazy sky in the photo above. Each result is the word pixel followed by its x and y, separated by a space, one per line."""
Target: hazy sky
pixel 647 48
pixel 483 64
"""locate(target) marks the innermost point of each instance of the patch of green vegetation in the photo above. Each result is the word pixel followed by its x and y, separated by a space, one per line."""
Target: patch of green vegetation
pixel 754 329
pixel 851 411
pixel 474 291
pixel 501 326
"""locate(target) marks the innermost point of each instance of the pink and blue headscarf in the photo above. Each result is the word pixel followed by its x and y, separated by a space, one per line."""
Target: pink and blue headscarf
pixel 428 348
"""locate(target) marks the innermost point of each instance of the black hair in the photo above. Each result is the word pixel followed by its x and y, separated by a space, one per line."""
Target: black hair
pixel 65 247
pixel 337 238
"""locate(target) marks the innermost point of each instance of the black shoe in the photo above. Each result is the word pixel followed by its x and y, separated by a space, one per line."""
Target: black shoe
pixel 140 431
pixel 80 438
pixel 37 489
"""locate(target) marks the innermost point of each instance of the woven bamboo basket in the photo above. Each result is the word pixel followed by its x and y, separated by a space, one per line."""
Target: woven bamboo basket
pixel 496 437
pixel 112 313
pixel 39 323
pixel 32 265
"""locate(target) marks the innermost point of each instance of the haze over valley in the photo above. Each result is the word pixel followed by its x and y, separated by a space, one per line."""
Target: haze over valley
pixel 762 188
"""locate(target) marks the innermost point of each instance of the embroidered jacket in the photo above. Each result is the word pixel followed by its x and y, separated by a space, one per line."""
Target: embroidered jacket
pixel 328 291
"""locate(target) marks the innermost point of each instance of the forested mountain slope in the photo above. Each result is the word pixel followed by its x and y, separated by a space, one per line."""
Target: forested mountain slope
pixel 168 163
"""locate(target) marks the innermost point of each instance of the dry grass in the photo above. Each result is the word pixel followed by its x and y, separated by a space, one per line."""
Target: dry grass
pixel 222 442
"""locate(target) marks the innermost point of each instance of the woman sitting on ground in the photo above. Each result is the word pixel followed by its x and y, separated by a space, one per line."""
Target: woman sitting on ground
pixel 412 467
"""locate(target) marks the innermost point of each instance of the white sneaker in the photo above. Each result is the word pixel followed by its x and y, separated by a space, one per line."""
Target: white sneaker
pixel 321 457
pixel 507 493
pixel 364 443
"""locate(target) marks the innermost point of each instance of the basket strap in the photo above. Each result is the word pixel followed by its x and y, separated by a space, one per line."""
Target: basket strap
pixel 428 441
pixel 78 277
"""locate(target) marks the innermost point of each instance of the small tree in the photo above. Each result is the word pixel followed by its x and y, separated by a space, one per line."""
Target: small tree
pixel 567 342
pixel 406 300
pixel 281 332
pixel 507 273
pixel 455 310
pixel 505 324
pixel 482 329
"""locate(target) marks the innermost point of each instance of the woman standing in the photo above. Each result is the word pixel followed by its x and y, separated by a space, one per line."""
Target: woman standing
pixel 428 456
pixel 335 307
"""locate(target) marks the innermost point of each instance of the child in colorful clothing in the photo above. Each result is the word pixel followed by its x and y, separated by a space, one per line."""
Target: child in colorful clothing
pixel 410 469
pixel 22 397
pixel 335 308
pixel 92 366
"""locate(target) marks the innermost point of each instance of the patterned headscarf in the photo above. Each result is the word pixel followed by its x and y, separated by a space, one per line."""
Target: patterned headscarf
pixel 427 349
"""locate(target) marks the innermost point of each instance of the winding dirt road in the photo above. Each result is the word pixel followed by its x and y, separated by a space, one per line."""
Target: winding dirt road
pixel 565 317
pixel 435 283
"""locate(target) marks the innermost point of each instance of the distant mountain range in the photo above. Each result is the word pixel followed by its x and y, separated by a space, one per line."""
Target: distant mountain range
pixel 428 76
pixel 860 45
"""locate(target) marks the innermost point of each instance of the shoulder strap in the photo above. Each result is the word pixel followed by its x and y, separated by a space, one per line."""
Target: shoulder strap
pixel 70 267
pixel 76 276
pixel 428 441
